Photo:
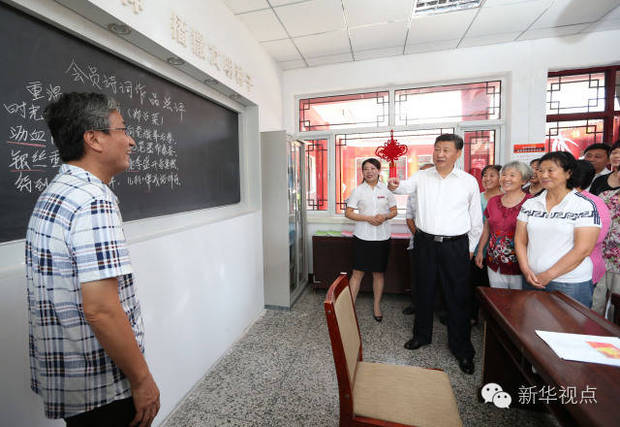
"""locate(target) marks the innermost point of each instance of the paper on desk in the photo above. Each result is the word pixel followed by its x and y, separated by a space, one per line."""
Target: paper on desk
pixel 583 348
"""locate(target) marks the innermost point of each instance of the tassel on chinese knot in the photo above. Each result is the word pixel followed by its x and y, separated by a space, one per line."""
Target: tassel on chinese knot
pixel 391 151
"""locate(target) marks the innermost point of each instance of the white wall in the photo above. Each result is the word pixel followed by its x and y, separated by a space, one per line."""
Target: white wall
pixel 524 64
pixel 199 274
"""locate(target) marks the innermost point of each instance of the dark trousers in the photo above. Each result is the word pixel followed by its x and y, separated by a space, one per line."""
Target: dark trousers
pixel 445 262
pixel 116 414
pixel 412 274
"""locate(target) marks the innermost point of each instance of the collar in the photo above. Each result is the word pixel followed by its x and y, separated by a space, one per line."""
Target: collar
pixel 455 171
pixel 541 199
pixel 83 175
pixel 379 185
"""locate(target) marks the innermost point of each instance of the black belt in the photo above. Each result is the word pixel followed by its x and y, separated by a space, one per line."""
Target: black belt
pixel 440 239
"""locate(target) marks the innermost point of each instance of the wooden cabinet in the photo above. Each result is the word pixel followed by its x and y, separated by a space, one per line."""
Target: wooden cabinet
pixel 334 254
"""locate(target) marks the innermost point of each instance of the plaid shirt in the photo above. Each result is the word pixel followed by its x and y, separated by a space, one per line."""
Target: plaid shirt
pixel 75 236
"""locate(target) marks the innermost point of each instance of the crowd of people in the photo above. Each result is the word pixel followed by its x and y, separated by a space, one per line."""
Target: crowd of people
pixel 551 225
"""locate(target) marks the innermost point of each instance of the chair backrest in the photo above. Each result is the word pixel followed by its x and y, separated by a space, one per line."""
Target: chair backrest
pixel 345 337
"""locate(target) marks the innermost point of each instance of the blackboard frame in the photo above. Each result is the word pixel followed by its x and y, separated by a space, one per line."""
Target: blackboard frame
pixel 134 61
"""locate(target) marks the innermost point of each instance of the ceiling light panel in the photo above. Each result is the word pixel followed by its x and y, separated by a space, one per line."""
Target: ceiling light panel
pixel 424 7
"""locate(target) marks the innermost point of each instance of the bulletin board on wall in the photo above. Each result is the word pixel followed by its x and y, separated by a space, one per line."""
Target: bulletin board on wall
pixel 187 146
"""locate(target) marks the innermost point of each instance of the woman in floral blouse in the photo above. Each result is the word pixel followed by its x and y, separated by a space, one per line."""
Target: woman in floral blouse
pixel 499 228
pixel 611 254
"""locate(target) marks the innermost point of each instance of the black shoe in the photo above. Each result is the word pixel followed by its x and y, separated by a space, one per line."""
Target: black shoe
pixel 378 318
pixel 443 318
pixel 467 365
pixel 414 344
pixel 410 309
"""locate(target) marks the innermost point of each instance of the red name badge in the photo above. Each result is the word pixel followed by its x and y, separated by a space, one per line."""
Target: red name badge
pixel 380 197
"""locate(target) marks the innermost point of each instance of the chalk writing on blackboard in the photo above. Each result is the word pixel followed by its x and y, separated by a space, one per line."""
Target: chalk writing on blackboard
pixel 154 162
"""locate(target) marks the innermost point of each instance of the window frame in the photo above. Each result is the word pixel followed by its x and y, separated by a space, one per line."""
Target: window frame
pixel 607 115
pixel 498 125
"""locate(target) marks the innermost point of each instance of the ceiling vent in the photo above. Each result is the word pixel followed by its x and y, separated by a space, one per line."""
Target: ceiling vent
pixel 432 7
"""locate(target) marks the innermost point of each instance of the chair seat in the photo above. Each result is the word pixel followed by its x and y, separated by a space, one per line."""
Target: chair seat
pixel 404 394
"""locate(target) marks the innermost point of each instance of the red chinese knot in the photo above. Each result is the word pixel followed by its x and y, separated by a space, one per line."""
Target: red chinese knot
pixel 391 151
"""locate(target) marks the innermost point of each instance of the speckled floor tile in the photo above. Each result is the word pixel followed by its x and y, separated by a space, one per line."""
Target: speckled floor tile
pixel 281 373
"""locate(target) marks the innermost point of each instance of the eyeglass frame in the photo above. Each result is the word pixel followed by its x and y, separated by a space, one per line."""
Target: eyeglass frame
pixel 125 130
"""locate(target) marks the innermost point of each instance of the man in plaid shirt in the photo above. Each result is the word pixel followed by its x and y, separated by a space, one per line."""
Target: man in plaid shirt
pixel 85 340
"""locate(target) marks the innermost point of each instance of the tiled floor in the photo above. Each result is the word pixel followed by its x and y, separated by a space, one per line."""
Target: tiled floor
pixel 282 372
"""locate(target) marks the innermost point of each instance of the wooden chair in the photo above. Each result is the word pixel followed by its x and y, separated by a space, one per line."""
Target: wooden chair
pixel 378 394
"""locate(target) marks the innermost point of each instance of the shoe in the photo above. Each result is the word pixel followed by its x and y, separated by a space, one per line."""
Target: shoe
pixel 378 318
pixel 443 319
pixel 414 344
pixel 473 322
pixel 410 309
pixel 467 365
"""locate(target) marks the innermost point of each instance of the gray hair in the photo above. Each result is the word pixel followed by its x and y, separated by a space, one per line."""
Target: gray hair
pixel 522 168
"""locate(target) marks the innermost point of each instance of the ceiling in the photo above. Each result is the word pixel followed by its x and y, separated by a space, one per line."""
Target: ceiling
pixel 307 33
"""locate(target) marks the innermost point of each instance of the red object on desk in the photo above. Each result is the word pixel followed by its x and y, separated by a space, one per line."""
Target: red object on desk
pixel 391 151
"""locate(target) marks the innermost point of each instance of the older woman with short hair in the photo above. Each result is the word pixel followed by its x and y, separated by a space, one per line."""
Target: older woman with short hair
pixel 499 228
pixel 556 232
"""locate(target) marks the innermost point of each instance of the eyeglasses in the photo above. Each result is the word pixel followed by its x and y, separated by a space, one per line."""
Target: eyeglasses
pixel 125 130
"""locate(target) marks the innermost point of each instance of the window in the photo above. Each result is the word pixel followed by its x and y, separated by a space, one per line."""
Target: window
pixel 342 130
pixel 316 171
pixel 582 108
pixel 472 101
pixel 352 149
pixel 344 111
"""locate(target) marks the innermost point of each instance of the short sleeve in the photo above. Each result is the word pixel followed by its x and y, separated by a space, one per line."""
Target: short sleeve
pixel 354 199
pixel 98 243
pixel 390 198
pixel 410 214
pixel 524 213
pixel 588 217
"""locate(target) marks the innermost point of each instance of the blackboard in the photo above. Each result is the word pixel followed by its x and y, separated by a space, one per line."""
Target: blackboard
pixel 187 147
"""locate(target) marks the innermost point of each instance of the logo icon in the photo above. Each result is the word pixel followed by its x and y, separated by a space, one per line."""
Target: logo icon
pixel 492 392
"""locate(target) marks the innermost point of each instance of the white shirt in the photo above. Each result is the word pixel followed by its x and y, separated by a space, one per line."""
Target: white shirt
pixel 596 175
pixel 410 214
pixel 447 206
pixel 372 201
pixel 551 235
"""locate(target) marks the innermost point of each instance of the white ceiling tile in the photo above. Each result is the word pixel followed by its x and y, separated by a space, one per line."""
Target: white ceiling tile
pixel 361 12
pixel 604 25
pixel 263 25
pixel 431 46
pixel 488 39
pixel 446 26
pixel 505 19
pixel 240 6
pixel 312 17
pixel 493 3
pixel 378 36
pixel 276 3
pixel 541 33
pixel 281 50
pixel 290 65
pixel 330 43
pixel 377 53
pixel 329 59
pixel 567 12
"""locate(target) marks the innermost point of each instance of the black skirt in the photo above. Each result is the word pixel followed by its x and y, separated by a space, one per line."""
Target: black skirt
pixel 370 255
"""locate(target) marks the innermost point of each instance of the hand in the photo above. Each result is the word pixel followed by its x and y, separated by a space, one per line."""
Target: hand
pixel 372 220
pixel 479 259
pixel 380 218
pixel 544 278
pixel 146 400
pixel 471 255
pixel 531 278
pixel 393 183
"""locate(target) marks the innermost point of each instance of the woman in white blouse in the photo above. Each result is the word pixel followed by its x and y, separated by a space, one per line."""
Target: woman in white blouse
pixel 556 232
pixel 371 237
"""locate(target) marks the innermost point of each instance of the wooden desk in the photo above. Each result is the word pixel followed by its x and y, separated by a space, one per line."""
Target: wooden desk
pixel 334 254
pixel 511 348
